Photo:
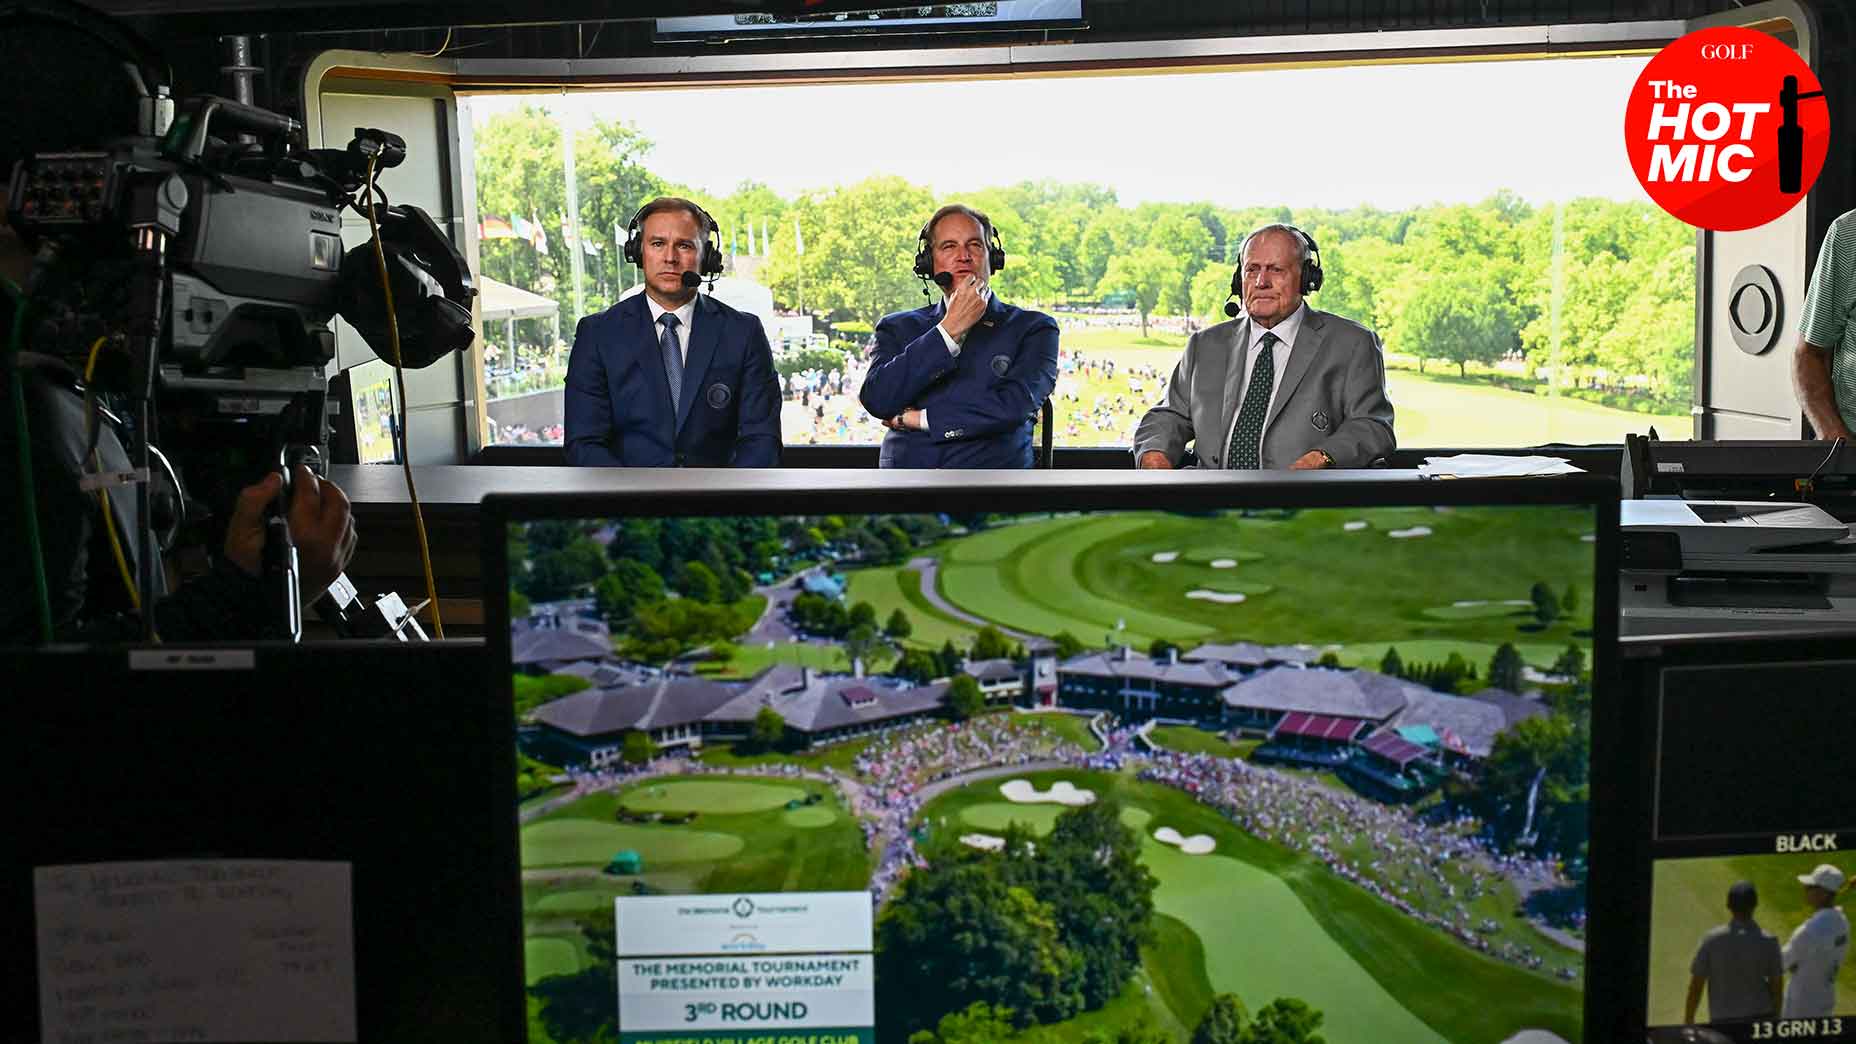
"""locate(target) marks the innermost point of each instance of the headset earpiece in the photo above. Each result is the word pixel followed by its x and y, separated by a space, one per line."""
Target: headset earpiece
pixel 924 250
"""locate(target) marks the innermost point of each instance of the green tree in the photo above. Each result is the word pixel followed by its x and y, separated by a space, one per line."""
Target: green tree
pixel 979 1023
pixel 964 698
pixel 898 627
pixel 1461 315
pixel 1329 659
pixel 1068 645
pixel 853 235
pixel 1569 602
pixel 948 659
pixel 1223 1022
pixel 862 643
pixel 698 583
pixel 917 665
pixel 1390 664
pixel 991 644
pixel 1090 869
pixel 1571 662
pixel 1149 274
pixel 1505 668
pixel 767 731
pixel 863 614
pixel 1546 603
pixel 519 607
pixel 1160 647
pixel 638 748
pixel 1285 1020
pixel 630 584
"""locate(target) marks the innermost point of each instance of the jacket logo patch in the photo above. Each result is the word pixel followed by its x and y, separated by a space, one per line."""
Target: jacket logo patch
pixel 718 395
pixel 1000 364
pixel 1321 421
pixel 954 433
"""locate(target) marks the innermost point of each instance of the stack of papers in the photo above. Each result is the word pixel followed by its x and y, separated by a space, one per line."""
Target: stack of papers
pixel 1488 465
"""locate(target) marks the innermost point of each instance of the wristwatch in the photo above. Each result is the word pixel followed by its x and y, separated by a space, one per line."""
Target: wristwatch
pixel 1327 459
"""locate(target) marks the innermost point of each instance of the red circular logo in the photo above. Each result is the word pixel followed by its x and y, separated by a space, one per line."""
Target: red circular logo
pixel 1727 129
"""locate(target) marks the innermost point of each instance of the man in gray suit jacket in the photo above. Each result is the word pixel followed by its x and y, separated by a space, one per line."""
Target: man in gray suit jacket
pixel 1281 385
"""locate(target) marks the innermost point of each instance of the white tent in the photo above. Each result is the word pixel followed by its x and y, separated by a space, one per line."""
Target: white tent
pixel 508 303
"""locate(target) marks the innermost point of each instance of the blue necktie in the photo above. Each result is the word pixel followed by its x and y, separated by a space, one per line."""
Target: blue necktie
pixel 1247 434
pixel 673 358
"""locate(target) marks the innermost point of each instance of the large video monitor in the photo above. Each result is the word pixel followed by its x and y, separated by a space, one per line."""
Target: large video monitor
pixel 1054 757
pixel 1750 780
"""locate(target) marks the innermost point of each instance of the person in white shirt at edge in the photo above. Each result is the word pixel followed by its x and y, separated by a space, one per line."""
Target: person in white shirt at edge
pixel 1815 951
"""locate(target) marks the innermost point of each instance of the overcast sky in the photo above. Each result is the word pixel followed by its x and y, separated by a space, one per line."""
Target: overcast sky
pixel 1391 136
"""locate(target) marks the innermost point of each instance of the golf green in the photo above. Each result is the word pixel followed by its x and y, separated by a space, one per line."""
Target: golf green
pixel 566 842
pixel 549 955
pixel 575 901
pixel 725 797
pixel 997 815
pixel 810 818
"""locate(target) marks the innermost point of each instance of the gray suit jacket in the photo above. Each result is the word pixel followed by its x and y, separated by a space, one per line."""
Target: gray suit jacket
pixel 1332 397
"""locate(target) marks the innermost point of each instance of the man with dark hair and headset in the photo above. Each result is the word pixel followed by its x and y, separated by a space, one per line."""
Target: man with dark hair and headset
pixel 958 382
pixel 1280 385
pixel 669 377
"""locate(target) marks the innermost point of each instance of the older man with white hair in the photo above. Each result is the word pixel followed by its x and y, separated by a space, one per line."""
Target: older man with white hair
pixel 1814 954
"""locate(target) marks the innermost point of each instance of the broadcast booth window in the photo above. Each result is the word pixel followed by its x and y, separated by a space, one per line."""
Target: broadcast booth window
pixel 1526 290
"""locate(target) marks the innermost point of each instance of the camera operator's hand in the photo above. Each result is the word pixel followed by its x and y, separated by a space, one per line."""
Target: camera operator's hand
pixel 321 524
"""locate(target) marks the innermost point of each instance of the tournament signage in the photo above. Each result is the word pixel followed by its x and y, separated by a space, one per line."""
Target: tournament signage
pixel 779 968
pixel 1727 129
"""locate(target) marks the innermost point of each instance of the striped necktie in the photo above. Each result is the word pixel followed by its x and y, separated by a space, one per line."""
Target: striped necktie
pixel 673 357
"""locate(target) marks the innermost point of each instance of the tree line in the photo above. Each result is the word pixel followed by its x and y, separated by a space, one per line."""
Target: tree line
pixel 1602 291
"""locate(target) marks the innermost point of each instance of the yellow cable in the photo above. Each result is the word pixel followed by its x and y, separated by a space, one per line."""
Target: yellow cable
pixel 103 493
pixel 399 377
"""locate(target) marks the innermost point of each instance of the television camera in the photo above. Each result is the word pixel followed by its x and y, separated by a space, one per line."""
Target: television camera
pixel 191 271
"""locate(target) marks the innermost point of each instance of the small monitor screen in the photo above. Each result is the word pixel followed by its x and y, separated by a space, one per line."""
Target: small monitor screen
pixel 990 15
pixel 1752 817
pixel 831 775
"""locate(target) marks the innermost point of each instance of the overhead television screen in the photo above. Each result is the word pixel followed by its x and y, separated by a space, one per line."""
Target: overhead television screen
pixel 1748 935
pixel 988 16
pixel 829 775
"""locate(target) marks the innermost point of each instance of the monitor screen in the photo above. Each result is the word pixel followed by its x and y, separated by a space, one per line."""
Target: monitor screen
pixel 1751 810
pixel 987 16
pixel 1058 760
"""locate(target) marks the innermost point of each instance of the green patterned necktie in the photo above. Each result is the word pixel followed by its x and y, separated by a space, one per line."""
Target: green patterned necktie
pixel 1247 433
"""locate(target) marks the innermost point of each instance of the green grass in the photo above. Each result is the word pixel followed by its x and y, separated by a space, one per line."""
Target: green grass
pixel 1373 971
pixel 751 659
pixel 1689 896
pixel 810 817
pixel 709 796
pixel 1087 574
pixel 889 589
pixel 550 955
pixel 1430 650
pixel 839 756
pixel 1176 961
pixel 1072 727
pixel 1188 740
pixel 994 816
pixel 587 842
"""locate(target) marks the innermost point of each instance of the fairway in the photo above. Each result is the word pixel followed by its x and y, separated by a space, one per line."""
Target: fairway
pixel 586 842
pixel 1277 923
pixel 717 796
pixel 1261 943
pixel 1689 896
pixel 1458 589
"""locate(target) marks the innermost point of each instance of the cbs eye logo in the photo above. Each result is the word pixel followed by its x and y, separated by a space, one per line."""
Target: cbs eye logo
pixel 1727 129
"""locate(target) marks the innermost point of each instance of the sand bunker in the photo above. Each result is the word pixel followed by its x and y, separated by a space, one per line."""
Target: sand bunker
pixel 1197 844
pixel 1414 531
pixel 983 842
pixel 1061 792
pixel 1355 526
pixel 1472 603
pixel 1224 563
pixel 1589 538
pixel 1165 556
pixel 1221 597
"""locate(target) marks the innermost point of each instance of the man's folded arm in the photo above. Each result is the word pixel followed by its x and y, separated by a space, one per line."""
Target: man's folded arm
pixel 1167 427
pixel 1367 432
pixel 1008 402
pixel 901 373
pixel 757 437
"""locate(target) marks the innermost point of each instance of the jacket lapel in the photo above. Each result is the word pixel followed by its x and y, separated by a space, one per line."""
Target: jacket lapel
pixel 705 334
pixel 1308 343
pixel 1237 353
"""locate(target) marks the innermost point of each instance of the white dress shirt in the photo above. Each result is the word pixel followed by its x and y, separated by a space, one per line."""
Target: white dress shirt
pixel 1285 332
pixel 683 314
pixel 953 346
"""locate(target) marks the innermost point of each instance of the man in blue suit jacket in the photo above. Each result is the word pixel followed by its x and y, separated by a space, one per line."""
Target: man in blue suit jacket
pixel 958 383
pixel 669 378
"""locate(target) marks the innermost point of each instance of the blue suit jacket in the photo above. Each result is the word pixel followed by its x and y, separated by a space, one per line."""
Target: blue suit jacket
pixel 618 408
pixel 980 405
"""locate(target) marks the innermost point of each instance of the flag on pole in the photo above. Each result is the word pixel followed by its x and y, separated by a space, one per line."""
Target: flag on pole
pixel 523 229
pixel 495 228
pixel 541 237
pixel 751 237
pixel 766 241
pixel 799 240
